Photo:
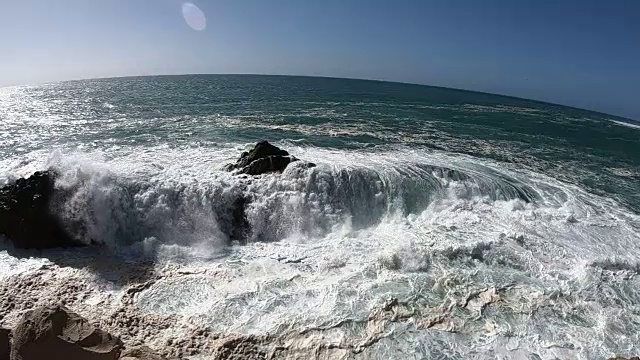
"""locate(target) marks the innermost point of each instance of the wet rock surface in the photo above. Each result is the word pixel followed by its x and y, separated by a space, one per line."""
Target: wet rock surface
pixel 26 216
pixel 263 158
pixel 178 336
pixel 54 332
pixel 32 210
pixel 140 353
pixel 5 344
pixel 239 347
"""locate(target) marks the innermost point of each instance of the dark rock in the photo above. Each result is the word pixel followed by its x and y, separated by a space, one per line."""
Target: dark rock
pixel 26 217
pixel 261 150
pixel 5 344
pixel 55 332
pixel 263 158
pixel 267 165
pixel 308 165
pixel 624 358
pixel 239 225
pixel 140 353
pixel 390 303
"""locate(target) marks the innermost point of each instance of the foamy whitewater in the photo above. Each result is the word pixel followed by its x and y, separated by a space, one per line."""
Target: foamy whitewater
pixel 438 223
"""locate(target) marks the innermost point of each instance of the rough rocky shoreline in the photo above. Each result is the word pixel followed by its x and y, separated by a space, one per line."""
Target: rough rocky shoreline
pixel 34 322
pixel 173 337
pixel 67 307
pixel 39 309
pixel 70 290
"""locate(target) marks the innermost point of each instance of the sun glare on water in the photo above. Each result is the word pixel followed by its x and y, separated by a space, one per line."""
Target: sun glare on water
pixel 194 16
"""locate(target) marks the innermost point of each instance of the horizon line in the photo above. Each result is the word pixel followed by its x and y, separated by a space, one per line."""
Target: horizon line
pixel 336 78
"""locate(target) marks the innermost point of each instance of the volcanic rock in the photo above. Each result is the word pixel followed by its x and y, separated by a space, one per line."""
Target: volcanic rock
pixel 26 217
pixel 55 332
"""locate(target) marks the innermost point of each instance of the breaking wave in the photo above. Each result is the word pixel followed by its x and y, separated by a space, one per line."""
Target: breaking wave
pixel 104 202
pixel 465 241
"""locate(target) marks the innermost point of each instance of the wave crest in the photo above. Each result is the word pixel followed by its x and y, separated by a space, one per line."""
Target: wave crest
pixel 99 205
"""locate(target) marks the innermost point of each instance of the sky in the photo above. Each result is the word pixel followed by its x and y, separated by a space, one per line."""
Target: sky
pixel 581 53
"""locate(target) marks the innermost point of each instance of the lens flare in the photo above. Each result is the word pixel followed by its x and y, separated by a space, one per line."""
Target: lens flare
pixel 194 16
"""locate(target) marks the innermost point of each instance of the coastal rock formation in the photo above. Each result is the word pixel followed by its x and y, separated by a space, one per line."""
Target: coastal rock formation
pixel 5 344
pixel 263 158
pixel 240 227
pixel 36 214
pixel 239 347
pixel 55 332
pixel 25 214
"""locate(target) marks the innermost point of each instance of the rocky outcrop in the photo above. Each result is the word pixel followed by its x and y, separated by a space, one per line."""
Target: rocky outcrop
pixel 26 217
pixel 240 227
pixel 5 345
pixel 263 158
pixel 55 332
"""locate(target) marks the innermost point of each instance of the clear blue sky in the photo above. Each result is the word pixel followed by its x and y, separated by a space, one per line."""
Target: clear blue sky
pixel 577 52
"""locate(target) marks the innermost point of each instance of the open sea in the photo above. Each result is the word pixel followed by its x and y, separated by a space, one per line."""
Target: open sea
pixel 437 224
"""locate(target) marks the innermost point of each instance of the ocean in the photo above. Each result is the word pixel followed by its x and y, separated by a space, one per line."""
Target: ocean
pixel 437 224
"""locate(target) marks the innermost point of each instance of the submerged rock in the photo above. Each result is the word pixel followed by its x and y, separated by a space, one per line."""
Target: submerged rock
pixel 263 158
pixel 26 217
pixel 54 332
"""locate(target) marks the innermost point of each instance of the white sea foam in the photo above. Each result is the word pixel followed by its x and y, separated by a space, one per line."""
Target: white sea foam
pixel 635 126
pixel 334 242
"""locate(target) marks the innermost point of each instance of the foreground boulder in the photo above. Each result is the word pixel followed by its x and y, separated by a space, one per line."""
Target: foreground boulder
pixel 263 158
pixel 26 217
pixel 55 332
pixel 5 348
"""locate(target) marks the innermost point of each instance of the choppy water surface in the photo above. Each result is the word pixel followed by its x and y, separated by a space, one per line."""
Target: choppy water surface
pixel 503 227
